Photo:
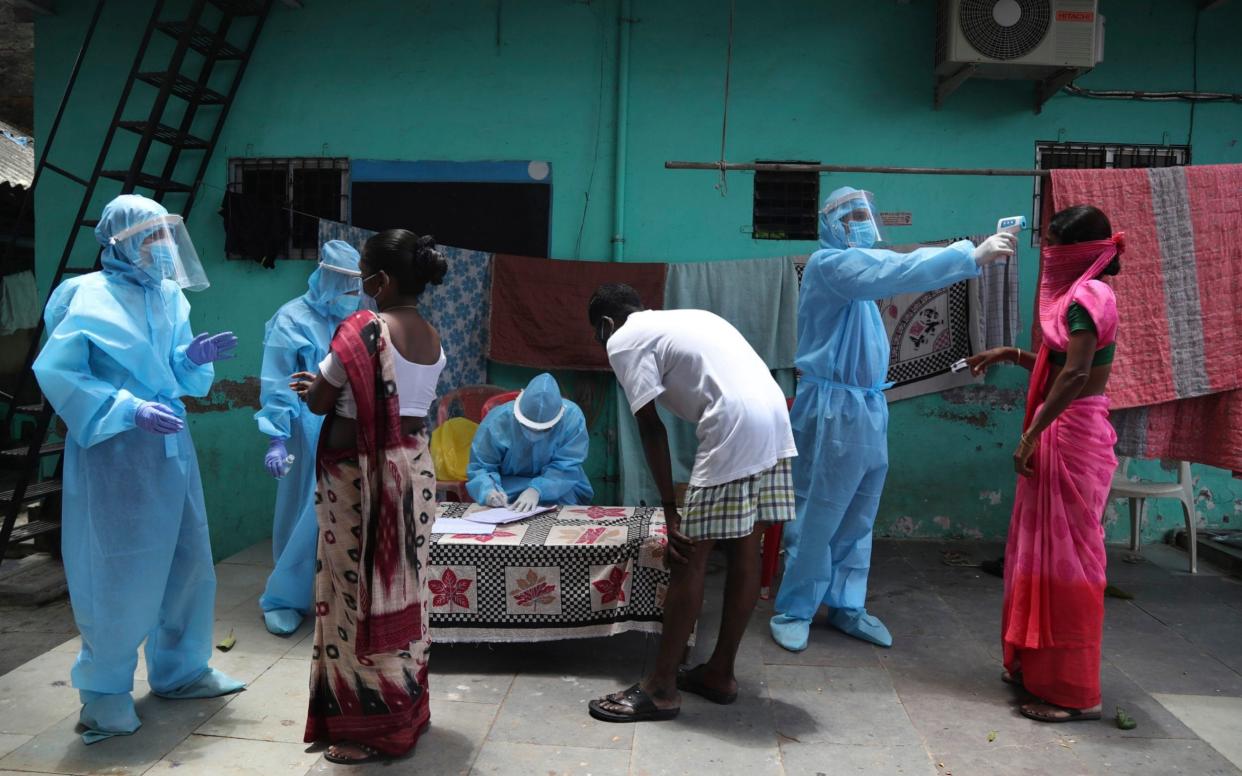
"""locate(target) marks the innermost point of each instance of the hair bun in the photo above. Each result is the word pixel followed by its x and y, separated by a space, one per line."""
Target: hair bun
pixel 429 257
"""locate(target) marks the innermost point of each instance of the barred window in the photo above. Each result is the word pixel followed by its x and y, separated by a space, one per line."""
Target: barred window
pixel 306 189
pixel 786 204
pixel 1097 156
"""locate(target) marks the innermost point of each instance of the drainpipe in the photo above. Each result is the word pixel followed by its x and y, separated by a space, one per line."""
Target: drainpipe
pixel 623 105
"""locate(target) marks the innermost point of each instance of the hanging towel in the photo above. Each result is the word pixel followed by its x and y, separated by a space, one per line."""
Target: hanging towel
pixel 19 302
pixel 998 291
pixel 539 308
pixel 1178 291
pixel 1176 384
pixel 758 296
pixel 457 308
pixel 254 228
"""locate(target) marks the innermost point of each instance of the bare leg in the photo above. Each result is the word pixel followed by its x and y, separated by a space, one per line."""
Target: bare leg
pixel 681 610
pixel 740 596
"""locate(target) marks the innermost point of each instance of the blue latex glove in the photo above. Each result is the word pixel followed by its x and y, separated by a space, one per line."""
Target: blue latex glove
pixel 206 348
pixel 157 419
pixel 275 458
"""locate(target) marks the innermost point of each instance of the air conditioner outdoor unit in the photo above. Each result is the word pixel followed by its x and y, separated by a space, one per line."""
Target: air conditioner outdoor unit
pixel 1028 39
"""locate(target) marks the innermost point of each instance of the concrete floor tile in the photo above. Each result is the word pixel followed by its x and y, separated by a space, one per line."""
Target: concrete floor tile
pixel 1153 720
pixel 552 710
pixel 253 638
pixel 273 707
pixel 9 742
pixel 740 737
pixel 1031 760
pixel 468 688
pixel 73 645
pixel 816 759
pixel 827 646
pixel 255 555
pixel 830 704
pixel 209 756
pixel 1164 757
pixel 449 746
pixel 237 584
pixel 508 759
pixel 37 694
pixel 165 724
pixel 1160 659
pixel 1218 721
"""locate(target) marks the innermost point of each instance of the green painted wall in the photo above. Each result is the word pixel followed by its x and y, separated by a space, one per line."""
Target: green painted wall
pixel 485 79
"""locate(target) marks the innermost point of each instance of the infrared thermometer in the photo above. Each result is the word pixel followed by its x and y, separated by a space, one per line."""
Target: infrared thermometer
pixel 1011 224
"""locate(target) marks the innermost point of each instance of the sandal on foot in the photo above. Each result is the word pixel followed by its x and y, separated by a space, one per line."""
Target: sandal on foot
pixel 1014 679
pixel 691 680
pixel 641 708
pixel 1047 712
pixel 370 755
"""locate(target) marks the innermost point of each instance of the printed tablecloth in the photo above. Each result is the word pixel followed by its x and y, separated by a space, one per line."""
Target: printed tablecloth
pixel 574 572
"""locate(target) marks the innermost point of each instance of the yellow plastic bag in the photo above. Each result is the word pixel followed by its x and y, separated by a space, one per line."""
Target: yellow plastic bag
pixel 450 448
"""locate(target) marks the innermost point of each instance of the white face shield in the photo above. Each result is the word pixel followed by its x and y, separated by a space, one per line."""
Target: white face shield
pixel 851 218
pixel 162 248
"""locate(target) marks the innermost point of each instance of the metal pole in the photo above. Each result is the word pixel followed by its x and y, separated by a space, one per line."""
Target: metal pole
pixel 778 167
pixel 624 19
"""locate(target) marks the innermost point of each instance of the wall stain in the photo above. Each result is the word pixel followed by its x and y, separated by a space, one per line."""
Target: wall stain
pixel 978 419
pixel 226 395
pixel 991 396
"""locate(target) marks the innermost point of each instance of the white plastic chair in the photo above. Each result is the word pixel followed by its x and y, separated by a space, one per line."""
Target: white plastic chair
pixel 1137 492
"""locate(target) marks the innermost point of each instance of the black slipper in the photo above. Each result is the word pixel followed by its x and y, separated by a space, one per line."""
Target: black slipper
pixel 690 680
pixel 642 708
pixel 371 756
pixel 1014 679
pixel 1056 715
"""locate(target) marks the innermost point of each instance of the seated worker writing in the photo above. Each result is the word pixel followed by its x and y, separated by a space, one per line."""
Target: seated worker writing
pixel 530 451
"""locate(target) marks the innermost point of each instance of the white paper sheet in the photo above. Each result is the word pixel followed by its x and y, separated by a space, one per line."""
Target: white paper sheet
pixel 500 515
pixel 455 525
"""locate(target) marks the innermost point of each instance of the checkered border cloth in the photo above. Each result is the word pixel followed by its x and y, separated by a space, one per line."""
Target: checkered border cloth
pixel 730 510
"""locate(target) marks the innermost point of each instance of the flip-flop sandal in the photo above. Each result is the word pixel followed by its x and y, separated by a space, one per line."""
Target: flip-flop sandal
pixel 371 755
pixel 642 708
pixel 1014 679
pixel 689 680
pixel 1058 714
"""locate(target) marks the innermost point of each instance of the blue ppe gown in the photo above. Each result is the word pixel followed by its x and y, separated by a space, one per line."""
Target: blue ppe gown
pixel 507 455
pixel 296 339
pixel 840 419
pixel 136 549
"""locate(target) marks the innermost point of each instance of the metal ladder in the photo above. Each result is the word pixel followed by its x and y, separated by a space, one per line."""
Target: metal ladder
pixel 173 85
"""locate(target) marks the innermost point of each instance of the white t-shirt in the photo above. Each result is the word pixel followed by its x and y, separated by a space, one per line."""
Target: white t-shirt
pixel 704 371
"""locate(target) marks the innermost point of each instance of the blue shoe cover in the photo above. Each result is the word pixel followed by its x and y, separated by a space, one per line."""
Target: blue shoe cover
pixel 282 622
pixel 210 685
pixel 105 715
pixel 860 625
pixel 790 632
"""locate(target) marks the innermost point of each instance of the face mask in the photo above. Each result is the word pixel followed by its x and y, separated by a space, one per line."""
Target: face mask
pixel 343 305
pixel 861 234
pixel 162 263
pixel 364 286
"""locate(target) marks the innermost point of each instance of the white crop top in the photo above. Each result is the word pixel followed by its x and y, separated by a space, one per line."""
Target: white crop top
pixel 416 384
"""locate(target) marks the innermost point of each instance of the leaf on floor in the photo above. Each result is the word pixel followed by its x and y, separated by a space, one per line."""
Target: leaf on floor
pixel 1124 720
pixel 227 642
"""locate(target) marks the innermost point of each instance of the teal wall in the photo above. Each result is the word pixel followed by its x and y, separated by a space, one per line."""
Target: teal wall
pixel 485 79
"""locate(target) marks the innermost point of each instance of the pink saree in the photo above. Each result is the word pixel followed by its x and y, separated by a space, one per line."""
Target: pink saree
pixel 1053 616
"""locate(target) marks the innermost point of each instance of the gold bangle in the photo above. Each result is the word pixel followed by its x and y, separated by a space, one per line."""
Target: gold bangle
pixel 1025 440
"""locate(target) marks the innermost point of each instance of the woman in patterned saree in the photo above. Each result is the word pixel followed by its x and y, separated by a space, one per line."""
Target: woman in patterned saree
pixel 375 505
pixel 1053 616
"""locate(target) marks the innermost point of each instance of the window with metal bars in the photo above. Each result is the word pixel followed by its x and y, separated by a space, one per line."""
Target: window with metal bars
pixel 1097 156
pixel 304 189
pixel 786 204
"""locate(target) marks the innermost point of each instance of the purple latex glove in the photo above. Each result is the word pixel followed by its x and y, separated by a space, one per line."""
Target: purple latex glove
pixel 274 461
pixel 157 419
pixel 206 348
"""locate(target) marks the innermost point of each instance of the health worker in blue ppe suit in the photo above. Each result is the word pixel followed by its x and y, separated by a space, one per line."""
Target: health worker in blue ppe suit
pixel 530 451
pixel 296 339
pixel 840 416
pixel 118 359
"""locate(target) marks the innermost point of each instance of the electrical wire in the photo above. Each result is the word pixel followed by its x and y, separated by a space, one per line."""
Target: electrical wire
pixel 599 111
pixel 723 185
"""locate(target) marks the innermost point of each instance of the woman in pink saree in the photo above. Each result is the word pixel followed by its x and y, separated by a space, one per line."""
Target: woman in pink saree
pixel 1053 616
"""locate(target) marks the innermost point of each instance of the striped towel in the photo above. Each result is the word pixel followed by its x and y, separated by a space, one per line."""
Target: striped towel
pixel 1178 373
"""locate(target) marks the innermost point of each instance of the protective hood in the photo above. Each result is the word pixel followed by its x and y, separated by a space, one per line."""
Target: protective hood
pixel 144 243
pixel 858 208
pixel 335 285
pixel 539 407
